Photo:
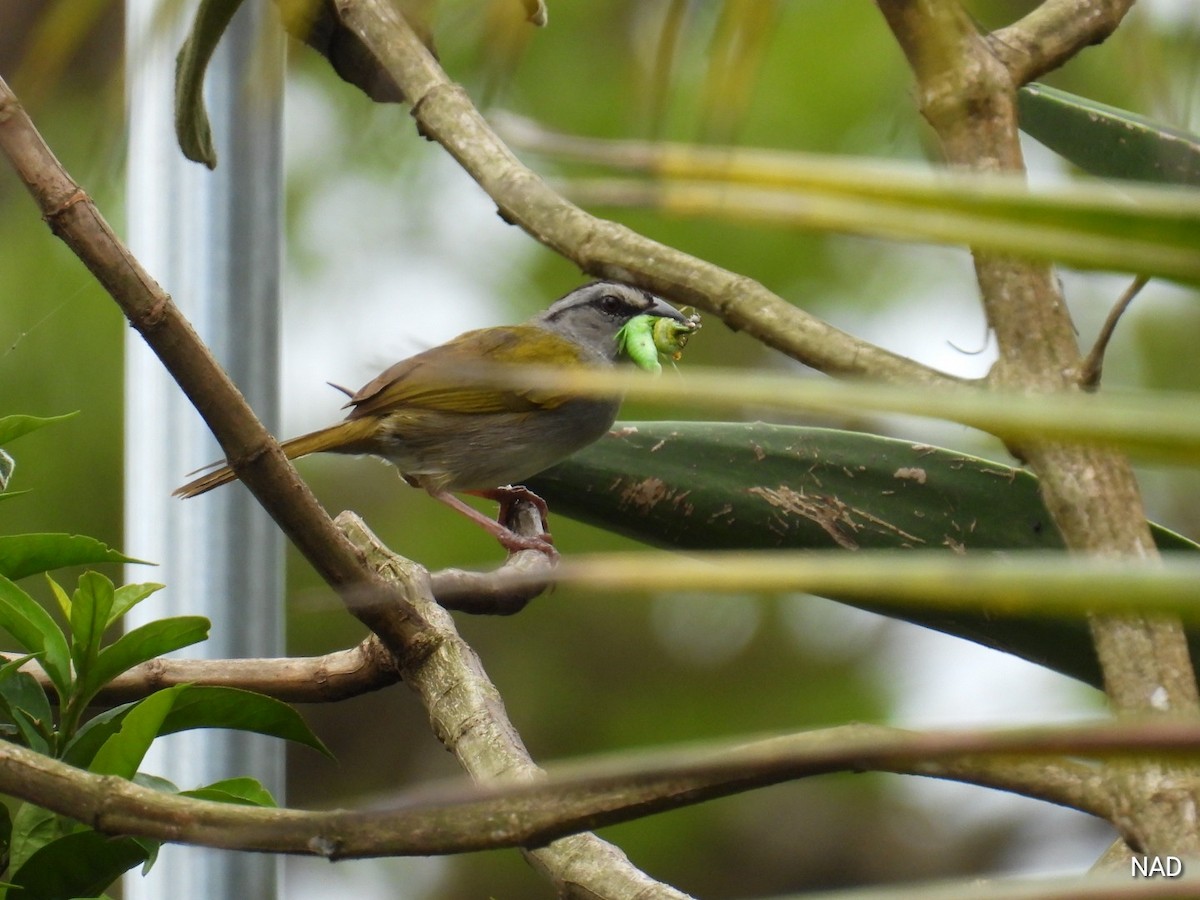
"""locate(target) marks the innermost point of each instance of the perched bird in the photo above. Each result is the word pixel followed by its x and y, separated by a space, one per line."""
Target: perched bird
pixel 447 434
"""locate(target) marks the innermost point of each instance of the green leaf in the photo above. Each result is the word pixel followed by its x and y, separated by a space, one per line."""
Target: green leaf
pixel 23 702
pixel 1106 141
pixel 13 427
pixel 12 666
pixel 81 747
pixel 191 119
pixel 1141 228
pixel 33 828
pixel 27 554
pixel 155 783
pixel 60 597
pixel 25 715
pixel 124 751
pixel 31 626
pixel 246 791
pixel 89 617
pixel 143 643
pixel 701 485
pixel 206 706
pixel 82 864
pixel 199 706
pixel 6 827
pixel 128 596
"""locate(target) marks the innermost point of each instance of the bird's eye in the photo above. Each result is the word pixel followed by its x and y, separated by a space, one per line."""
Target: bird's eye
pixel 610 304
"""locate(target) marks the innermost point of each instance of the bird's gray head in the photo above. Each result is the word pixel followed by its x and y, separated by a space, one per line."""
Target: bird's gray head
pixel 593 314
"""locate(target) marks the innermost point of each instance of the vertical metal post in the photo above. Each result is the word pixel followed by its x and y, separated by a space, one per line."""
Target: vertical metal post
pixel 212 239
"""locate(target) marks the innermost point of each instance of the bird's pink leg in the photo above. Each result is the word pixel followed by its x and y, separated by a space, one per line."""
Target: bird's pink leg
pixel 508 539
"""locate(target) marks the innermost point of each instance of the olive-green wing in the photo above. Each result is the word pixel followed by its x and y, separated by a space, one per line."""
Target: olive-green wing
pixel 439 378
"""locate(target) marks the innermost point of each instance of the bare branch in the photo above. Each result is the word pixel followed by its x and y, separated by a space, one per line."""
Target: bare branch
pixel 498 593
pixel 444 113
pixel 468 716
pixel 316 679
pixel 455 818
pixel 969 97
pixel 1053 33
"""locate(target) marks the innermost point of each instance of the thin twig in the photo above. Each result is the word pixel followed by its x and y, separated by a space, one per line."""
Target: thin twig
pixel 1093 364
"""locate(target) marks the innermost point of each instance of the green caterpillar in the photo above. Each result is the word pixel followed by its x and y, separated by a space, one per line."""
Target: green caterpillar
pixel 644 338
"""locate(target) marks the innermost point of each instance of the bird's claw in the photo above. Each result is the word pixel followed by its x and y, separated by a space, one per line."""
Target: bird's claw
pixel 543 543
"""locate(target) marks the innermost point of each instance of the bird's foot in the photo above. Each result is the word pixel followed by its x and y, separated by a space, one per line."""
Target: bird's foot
pixel 504 529
pixel 514 543
pixel 510 495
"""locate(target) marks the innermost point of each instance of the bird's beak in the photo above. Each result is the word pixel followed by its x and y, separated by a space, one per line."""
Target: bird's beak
pixel 665 310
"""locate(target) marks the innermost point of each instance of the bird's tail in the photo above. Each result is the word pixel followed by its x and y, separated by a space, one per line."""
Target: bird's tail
pixel 350 436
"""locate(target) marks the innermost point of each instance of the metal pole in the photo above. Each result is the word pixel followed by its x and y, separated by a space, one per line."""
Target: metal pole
pixel 212 239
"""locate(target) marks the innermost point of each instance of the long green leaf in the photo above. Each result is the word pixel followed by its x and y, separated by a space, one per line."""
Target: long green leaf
pixel 23 618
pixel 1157 425
pixel 697 485
pixel 60 597
pixel 201 706
pixel 82 864
pixel 1140 228
pixel 204 706
pixel 1106 141
pixel 32 828
pixel 246 791
pixel 1154 233
pixel 128 596
pixel 13 427
pixel 123 752
pixel 143 643
pixel 191 119
pixel 90 606
pixel 22 555
pixel 81 748
pixel 24 703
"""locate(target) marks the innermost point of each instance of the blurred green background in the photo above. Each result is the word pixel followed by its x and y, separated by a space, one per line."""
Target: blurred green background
pixel 391 249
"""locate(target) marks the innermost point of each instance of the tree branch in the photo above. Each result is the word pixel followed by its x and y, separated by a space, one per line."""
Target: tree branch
pixel 388 606
pixel 316 679
pixel 251 449
pixel 1053 33
pixel 468 716
pixel 528 811
pixel 969 97
pixel 444 113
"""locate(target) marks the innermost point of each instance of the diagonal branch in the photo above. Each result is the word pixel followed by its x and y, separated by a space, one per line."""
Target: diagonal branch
pixel 385 605
pixel 468 716
pixel 445 113
pixel 252 450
